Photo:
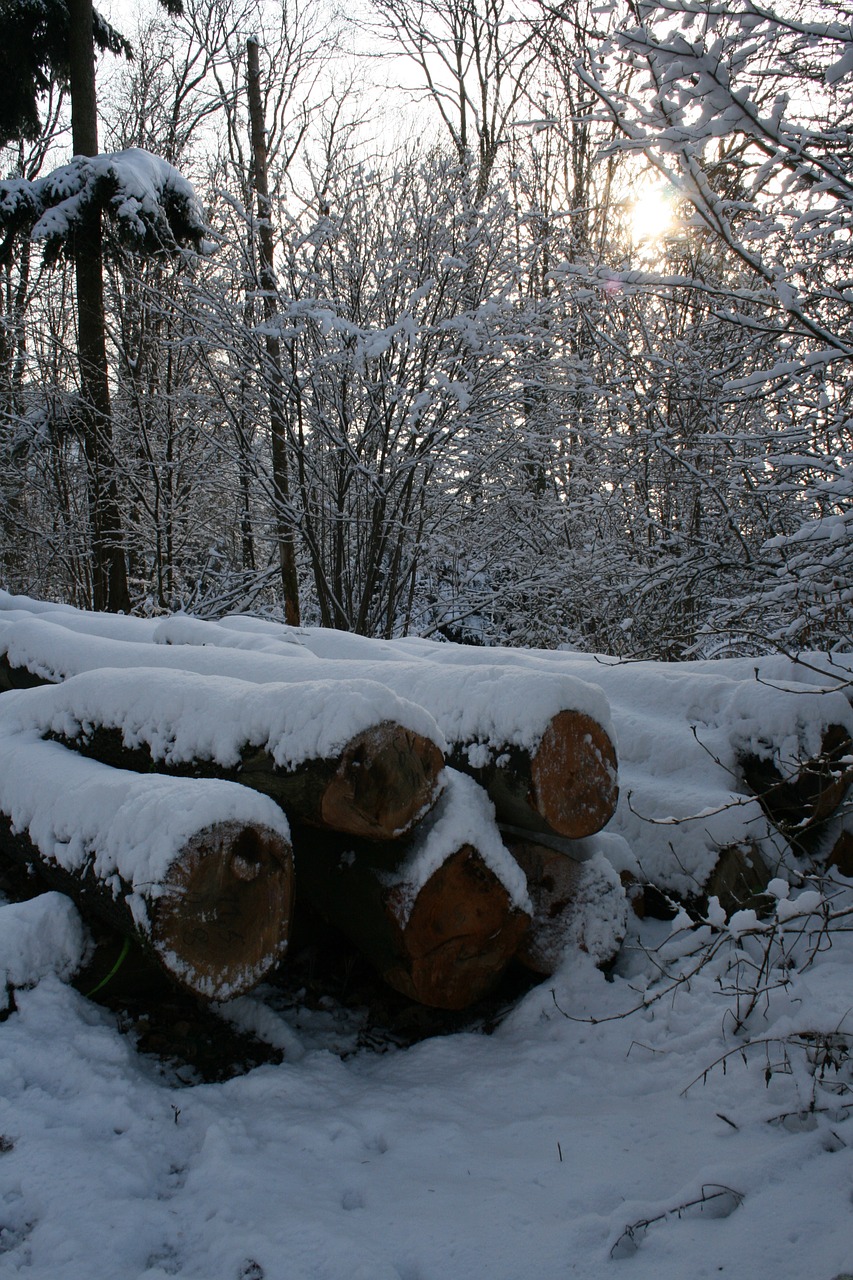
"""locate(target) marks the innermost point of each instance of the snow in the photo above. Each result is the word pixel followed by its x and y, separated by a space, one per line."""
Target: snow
pixel 526 1153
pixel 464 815
pixel 182 716
pixel 686 1117
pixel 152 203
pixel 42 936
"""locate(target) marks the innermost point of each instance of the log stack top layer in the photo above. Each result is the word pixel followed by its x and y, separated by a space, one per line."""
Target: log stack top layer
pixel 484 703
pixel 685 729
pixel 181 716
pixel 374 759
pixel 552 730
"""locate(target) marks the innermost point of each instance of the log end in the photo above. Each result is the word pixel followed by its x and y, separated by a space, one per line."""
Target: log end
pixel 460 935
pixel 576 906
pixel 223 920
pixel 802 802
pixel 574 776
pixel 386 779
pixel 553 880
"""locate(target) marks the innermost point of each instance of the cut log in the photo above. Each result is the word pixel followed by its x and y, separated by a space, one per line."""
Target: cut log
pixel 801 800
pixel 577 905
pixel 566 785
pixel 740 876
pixel 320 749
pixel 200 872
pixel 439 915
pixel 841 855
pixel 377 787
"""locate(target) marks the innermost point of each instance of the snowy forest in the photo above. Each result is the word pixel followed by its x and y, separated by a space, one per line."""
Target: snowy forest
pixel 426 674
pixel 508 323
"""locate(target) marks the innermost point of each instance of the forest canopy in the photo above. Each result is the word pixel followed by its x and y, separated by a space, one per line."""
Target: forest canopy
pixel 516 323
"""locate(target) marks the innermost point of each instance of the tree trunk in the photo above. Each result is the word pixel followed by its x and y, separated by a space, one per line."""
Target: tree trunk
pixel 209 897
pixel 800 803
pixel 109 570
pixel 578 905
pixel 273 373
pixel 566 786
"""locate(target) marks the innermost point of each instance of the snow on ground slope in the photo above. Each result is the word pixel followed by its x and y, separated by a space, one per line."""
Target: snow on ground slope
pixel 536 1153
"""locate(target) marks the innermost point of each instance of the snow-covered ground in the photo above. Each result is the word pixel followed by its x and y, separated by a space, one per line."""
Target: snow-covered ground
pixel 525 1154
pixel 688 1118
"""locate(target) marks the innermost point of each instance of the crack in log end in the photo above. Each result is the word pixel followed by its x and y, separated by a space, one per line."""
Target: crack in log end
pixel 573 776
pixel 224 918
pixel 460 935
pixel 387 779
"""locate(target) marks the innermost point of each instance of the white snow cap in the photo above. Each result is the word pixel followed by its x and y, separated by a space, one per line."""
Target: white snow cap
pixel 42 936
pixel 183 716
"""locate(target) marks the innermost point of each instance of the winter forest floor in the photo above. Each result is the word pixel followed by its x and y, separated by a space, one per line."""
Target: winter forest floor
pixel 683 1115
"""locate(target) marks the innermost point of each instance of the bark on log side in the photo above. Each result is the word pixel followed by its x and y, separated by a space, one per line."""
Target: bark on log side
pixel 798 805
pixel 376 788
pixel 218 922
pixel 17 677
pixel 444 944
pixel 739 876
pixel 566 787
pixel 841 855
pixel 553 879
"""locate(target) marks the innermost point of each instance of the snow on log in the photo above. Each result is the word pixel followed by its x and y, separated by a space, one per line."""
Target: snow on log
pixel 200 871
pixel 540 742
pixel 351 757
pixel 440 914
pixel 578 903
pixel 42 936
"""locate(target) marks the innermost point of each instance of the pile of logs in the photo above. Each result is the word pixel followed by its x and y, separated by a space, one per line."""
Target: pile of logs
pixel 195 810
pixel 197 792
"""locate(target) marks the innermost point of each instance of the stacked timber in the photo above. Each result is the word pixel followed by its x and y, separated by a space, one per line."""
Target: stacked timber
pixel 398 852
pixel 439 914
pixel 540 743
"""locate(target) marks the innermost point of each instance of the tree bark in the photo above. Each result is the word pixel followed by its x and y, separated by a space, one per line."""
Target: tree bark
pixel 109 569
pixel 799 804
pixel 376 787
pixel 273 372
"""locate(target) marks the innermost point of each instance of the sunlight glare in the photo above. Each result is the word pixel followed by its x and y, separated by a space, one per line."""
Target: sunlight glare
pixel 651 214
